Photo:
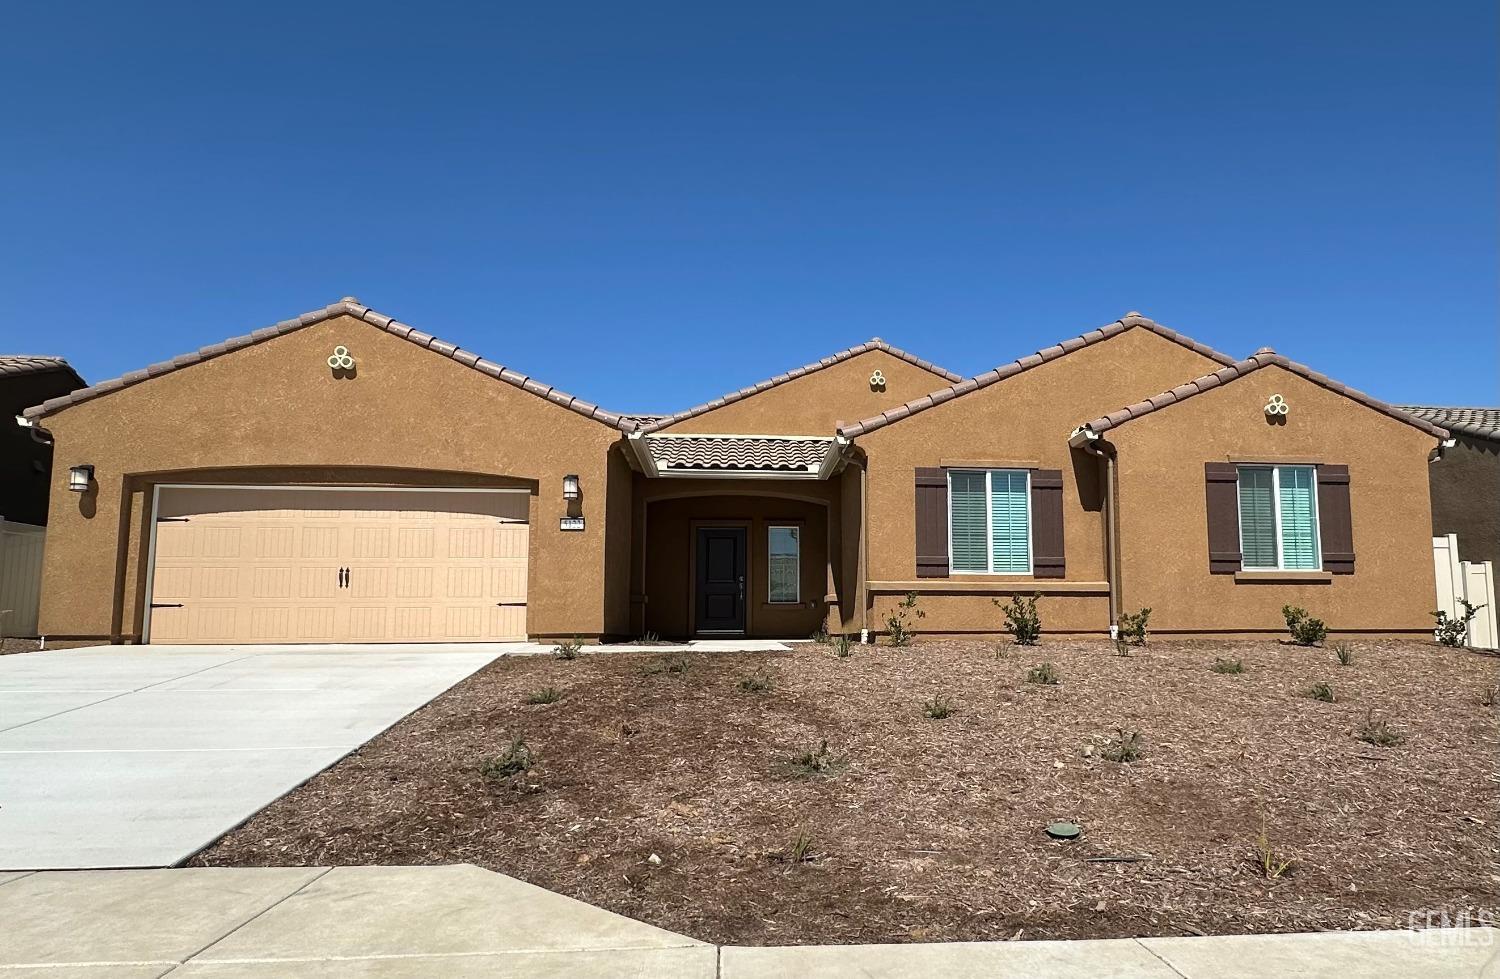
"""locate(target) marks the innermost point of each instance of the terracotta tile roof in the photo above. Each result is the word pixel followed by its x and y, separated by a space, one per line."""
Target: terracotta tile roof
pixel 1479 422
pixel 738 453
pixel 12 364
pixel 779 379
pixel 349 306
pixel 1263 357
pixel 640 420
pixel 1126 322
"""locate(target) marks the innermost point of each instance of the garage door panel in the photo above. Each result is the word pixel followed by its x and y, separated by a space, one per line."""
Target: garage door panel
pixel 262 565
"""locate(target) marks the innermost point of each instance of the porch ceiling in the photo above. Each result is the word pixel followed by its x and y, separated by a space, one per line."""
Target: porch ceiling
pixel 748 456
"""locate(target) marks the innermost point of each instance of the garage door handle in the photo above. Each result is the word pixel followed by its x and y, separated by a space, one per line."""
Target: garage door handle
pixel 166 605
pixel 510 604
pixel 343 577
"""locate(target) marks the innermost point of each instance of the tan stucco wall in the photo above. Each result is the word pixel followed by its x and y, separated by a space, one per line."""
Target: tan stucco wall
pixel 1024 419
pixel 1164 535
pixel 276 404
pixel 815 403
pixel 1466 497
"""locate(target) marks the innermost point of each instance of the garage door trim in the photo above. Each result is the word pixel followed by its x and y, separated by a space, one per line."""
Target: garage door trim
pixel 320 487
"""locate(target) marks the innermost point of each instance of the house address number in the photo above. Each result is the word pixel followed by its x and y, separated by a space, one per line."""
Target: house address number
pixel 570 523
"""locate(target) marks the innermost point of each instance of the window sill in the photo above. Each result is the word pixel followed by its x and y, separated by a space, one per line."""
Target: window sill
pixel 1283 577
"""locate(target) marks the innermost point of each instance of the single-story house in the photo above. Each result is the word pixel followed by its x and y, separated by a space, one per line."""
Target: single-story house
pixel 1466 487
pixel 342 476
pixel 26 462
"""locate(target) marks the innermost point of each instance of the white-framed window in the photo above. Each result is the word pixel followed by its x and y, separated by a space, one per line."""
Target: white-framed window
pixel 1279 518
pixel 784 564
pixel 989 521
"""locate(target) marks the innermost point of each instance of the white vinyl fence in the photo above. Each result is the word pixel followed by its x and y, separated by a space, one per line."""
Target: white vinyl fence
pixel 20 577
pixel 1473 581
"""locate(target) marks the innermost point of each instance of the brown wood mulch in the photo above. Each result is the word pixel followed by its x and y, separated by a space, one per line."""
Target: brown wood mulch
pixel 934 829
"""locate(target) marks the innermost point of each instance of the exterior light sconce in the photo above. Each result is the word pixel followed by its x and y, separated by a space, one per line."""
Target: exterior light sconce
pixel 571 488
pixel 80 478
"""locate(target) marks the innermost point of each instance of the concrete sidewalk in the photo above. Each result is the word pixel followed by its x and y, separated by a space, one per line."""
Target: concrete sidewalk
pixel 315 923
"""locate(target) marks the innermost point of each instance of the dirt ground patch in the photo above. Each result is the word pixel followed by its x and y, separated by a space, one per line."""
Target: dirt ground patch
pixel 926 829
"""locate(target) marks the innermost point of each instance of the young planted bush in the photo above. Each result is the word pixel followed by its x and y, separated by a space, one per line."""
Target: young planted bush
pixel 1305 630
pixel 1231 667
pixel 1133 626
pixel 1122 648
pixel 1273 864
pixel 899 624
pixel 813 762
pixel 1319 691
pixel 546 695
pixel 676 665
pixel 758 683
pixel 1489 696
pixel 842 647
pixel 1344 653
pixel 1124 747
pixel 938 708
pixel 569 649
pixel 1045 674
pixel 1021 618
pixel 1377 731
pixel 821 636
pixel 516 759
pixel 1455 631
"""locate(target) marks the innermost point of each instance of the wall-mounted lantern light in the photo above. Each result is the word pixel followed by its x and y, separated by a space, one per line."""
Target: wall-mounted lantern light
pixel 571 489
pixel 79 478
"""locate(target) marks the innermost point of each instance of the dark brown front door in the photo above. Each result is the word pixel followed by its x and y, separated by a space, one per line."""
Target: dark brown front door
pixel 719 591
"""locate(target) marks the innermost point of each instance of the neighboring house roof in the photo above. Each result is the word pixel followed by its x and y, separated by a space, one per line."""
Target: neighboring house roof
pixel 1479 422
pixel 348 306
pixel 13 364
pixel 1128 321
pixel 874 344
pixel 736 455
pixel 1264 357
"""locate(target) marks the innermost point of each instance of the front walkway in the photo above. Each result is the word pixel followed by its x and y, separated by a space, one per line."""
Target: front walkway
pixel 315 923
pixel 138 756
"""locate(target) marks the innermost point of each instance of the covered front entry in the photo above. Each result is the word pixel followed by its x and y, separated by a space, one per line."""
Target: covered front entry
pixel 279 564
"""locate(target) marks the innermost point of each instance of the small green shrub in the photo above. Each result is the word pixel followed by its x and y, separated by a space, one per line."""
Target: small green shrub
pixel 1344 653
pixel 569 649
pixel 1319 691
pixel 1122 648
pixel 1045 674
pixel 1133 627
pixel 1125 747
pixel 814 761
pixel 1377 731
pixel 1305 631
pixel 898 625
pixel 756 684
pixel 514 760
pixel 649 638
pixel 1489 696
pixel 842 647
pixel 546 695
pixel 938 708
pixel 1273 864
pixel 1231 667
pixel 1021 618
pixel 1455 632
pixel 801 848
pixel 676 665
pixel 821 636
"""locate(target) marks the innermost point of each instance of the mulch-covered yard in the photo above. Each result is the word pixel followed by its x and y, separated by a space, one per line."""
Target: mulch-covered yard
pixel 669 795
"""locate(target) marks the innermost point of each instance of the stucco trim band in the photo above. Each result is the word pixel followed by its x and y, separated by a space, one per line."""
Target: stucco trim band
pixel 348 306
pixel 1129 321
pixel 1264 357
pixel 948 586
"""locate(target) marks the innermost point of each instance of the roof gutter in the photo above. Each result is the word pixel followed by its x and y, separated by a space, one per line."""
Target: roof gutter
pixel 39 435
pixel 838 454
pixel 1087 440
pixel 646 464
pixel 1441 449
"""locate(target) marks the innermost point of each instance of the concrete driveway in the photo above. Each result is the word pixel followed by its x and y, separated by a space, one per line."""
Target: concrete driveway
pixel 139 756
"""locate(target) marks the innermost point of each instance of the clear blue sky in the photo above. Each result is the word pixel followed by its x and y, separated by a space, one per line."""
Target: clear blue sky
pixel 650 204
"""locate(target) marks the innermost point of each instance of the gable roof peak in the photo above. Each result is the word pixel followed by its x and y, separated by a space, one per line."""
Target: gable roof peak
pixel 1127 322
pixel 874 343
pixel 1265 350
pixel 344 307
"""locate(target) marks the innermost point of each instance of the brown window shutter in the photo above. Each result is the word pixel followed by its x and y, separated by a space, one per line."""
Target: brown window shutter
pixel 1047 524
pixel 1223 481
pixel 1335 522
pixel 932 523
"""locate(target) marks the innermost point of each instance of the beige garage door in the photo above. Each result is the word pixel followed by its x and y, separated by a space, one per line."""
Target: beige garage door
pixel 280 564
